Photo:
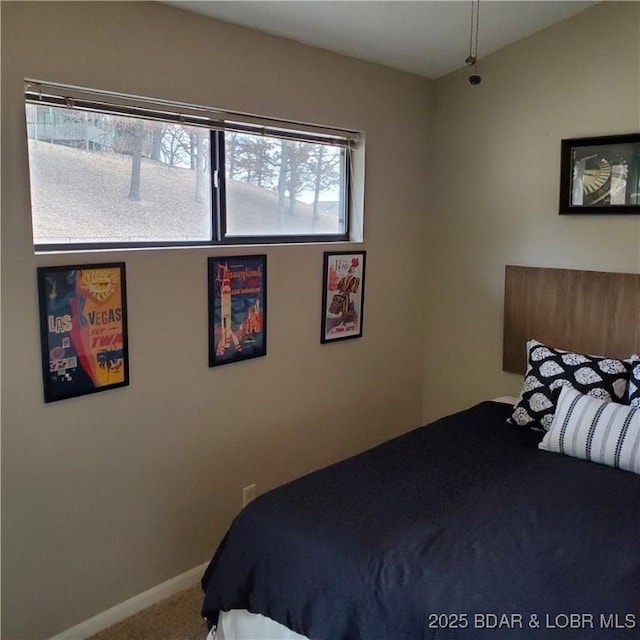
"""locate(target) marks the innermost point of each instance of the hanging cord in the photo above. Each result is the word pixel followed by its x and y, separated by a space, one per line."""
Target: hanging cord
pixel 471 58
pixel 477 27
pixel 473 40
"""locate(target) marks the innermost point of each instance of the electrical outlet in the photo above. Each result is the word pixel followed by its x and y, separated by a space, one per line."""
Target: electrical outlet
pixel 248 494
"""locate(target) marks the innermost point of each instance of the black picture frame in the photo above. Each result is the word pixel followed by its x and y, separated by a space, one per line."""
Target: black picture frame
pixel 600 175
pixel 83 329
pixel 237 295
pixel 343 280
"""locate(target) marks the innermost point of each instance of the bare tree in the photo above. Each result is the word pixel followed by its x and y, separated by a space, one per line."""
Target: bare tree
pixel 200 147
pixel 231 153
pixel 324 164
pixel 282 181
pixel 157 132
pixel 260 162
pixel 137 134
pixel 298 158
pixel 175 145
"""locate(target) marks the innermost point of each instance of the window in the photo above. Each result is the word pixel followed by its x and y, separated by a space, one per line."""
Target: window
pixel 122 173
pixel 283 187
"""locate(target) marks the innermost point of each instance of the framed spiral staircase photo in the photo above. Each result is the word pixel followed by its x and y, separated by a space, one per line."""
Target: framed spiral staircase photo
pixel 600 175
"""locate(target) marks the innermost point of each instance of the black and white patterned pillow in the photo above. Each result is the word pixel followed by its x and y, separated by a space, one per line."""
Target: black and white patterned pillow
pixel 548 370
pixel 633 397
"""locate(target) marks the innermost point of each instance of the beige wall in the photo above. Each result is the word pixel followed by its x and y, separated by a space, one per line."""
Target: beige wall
pixel 496 184
pixel 107 495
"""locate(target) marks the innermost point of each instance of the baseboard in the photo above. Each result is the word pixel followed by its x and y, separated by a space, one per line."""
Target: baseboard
pixel 125 609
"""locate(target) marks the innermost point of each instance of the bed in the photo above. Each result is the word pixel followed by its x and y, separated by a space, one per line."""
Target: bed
pixel 462 529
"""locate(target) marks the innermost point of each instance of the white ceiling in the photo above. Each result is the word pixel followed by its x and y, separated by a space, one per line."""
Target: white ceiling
pixel 426 37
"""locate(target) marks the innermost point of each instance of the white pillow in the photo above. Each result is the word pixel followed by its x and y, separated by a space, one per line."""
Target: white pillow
pixel 591 429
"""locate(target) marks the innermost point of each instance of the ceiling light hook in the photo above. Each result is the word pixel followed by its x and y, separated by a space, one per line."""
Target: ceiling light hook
pixel 472 58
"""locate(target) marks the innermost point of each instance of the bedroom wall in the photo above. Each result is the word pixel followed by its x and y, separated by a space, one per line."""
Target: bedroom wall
pixel 105 496
pixel 496 185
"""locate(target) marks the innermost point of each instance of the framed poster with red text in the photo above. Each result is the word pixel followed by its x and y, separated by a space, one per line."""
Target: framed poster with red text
pixel 342 295
pixel 83 329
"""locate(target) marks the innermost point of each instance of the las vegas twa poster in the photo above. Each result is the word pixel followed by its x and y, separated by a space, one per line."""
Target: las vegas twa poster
pixel 83 329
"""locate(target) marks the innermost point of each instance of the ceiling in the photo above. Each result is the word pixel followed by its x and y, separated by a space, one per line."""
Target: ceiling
pixel 429 38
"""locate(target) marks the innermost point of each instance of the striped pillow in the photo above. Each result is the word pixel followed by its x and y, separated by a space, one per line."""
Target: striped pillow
pixel 591 429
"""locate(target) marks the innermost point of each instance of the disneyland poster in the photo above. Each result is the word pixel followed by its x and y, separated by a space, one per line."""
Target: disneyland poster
pixel 83 329
pixel 343 296
pixel 237 308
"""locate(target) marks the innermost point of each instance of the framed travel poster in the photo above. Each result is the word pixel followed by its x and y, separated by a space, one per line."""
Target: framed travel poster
pixel 237 308
pixel 342 295
pixel 83 329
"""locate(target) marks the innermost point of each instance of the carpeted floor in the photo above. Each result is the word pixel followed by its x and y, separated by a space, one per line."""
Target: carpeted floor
pixel 176 618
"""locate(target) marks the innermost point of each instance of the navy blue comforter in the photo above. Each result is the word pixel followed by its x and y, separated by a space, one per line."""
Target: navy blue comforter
pixel 459 530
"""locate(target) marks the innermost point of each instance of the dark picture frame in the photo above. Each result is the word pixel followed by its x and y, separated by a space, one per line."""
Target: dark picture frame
pixel 342 295
pixel 83 329
pixel 237 308
pixel 600 175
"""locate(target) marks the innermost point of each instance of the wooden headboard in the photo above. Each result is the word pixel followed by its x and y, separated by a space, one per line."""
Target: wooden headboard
pixel 582 311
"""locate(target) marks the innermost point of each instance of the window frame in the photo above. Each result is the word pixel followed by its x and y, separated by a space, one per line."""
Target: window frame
pixel 217 122
pixel 220 216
